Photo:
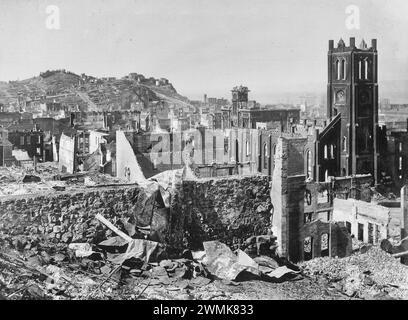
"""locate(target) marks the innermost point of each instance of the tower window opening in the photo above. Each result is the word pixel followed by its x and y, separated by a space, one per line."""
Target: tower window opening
pixel 338 69
pixel 400 147
pixel 344 143
pixel 400 163
pixel 325 152
pixel 343 69
pixel 331 151
pixel 360 69
pixel 365 69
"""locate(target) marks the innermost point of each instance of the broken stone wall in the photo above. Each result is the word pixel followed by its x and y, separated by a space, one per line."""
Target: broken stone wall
pixel 229 209
pixel 65 217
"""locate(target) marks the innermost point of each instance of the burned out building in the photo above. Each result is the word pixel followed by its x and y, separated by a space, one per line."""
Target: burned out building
pixel 245 114
pixel 29 138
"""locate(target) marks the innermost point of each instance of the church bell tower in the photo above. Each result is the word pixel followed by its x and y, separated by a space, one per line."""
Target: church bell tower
pixel 352 92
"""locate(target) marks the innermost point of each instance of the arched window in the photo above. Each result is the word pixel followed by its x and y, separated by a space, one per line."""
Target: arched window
pixel 343 69
pixel 265 157
pixel 324 245
pixel 309 166
pixel 365 69
pixel 400 163
pixel 332 151
pixel 400 147
pixel 344 143
pixel 338 69
pixel 247 148
pixel 325 152
pixel 360 69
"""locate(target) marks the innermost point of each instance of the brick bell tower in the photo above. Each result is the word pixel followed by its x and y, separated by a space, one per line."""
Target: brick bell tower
pixel 352 91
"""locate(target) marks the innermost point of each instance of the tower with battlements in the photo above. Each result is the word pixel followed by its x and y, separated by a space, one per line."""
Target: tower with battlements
pixel 352 96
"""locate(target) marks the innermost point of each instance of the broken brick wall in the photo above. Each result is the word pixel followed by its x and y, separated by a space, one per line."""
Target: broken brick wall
pixel 229 209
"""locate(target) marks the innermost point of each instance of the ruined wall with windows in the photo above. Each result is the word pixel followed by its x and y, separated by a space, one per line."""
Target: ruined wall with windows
pixel 366 222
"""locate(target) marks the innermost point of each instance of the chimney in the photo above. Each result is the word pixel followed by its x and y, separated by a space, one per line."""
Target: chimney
pixel 374 44
pixel 331 44
pixel 352 42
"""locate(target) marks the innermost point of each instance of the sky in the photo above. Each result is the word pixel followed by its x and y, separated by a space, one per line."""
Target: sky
pixel 200 46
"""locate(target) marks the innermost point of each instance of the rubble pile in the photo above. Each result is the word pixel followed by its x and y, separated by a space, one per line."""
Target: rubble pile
pixel 46 178
pixel 121 267
pixel 369 275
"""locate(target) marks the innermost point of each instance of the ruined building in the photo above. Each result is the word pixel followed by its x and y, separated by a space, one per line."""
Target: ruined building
pixel 245 114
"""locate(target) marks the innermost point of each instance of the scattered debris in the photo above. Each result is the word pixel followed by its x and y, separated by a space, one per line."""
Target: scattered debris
pixel 372 274
pixel 126 266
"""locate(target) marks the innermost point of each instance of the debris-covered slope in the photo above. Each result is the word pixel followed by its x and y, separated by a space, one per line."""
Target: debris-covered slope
pixel 368 275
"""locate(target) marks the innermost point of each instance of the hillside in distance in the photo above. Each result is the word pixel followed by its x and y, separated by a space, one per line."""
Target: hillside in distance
pixel 87 93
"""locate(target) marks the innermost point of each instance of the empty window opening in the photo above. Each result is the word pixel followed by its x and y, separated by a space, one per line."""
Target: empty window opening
pixel 370 233
pixel 400 147
pixel 377 235
pixel 365 69
pixel 226 145
pixel 343 69
pixel 308 197
pixel 309 168
pixel 344 143
pixel 308 248
pixel 348 227
pixel 247 148
pixel 360 69
pixel 332 151
pixel 236 151
pixel 360 235
pixel 400 163
pixel 308 217
pixel 338 69
pixel 325 152
pixel 324 245
pixel 323 197
pixel 265 157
